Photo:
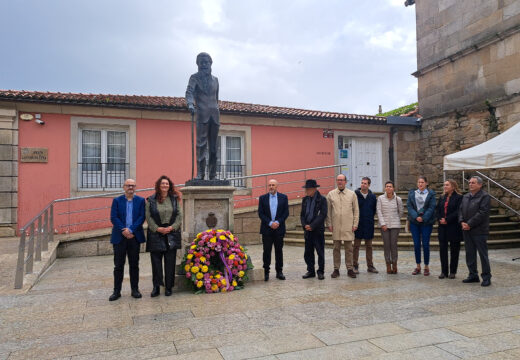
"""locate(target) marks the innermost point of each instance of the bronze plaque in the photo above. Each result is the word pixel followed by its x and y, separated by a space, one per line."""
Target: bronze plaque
pixel 34 155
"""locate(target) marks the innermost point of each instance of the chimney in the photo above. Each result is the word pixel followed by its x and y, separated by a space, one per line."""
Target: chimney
pixel 380 109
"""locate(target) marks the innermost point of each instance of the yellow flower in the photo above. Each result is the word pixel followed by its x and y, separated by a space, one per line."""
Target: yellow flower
pixel 217 276
pixel 199 235
pixel 240 273
pixel 187 267
pixel 222 237
pixel 231 237
pixel 231 257
pixel 223 289
pixel 213 239
pixel 189 256
pixel 245 255
pixel 199 275
pixel 242 248
pixel 234 283
pixel 204 269
pixel 221 230
pixel 199 284
pixel 195 269
pixel 202 259
pixel 214 287
pixel 209 230
pixel 223 281
pixel 193 246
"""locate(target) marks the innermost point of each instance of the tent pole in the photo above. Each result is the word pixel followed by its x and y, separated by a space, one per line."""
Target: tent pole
pixel 463 179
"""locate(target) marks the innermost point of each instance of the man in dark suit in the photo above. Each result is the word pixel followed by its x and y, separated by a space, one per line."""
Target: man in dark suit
pixel 202 95
pixel 273 210
pixel 127 216
pixel 312 216
pixel 474 219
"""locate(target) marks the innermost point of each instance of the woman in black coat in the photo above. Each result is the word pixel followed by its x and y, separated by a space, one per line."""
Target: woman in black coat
pixel 164 217
pixel 450 231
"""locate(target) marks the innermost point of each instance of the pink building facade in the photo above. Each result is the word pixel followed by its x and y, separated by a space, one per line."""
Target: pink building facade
pixel 91 143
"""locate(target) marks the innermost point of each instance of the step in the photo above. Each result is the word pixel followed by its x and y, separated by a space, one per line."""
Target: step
pixel 407 244
pixel 493 234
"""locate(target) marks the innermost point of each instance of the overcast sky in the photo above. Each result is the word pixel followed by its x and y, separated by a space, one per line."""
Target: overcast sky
pixel 331 55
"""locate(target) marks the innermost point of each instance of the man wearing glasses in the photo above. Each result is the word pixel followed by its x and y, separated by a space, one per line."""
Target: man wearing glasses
pixel 127 216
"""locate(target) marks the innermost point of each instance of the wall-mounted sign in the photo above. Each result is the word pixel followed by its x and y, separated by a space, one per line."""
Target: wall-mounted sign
pixel 34 155
pixel 328 133
pixel 343 154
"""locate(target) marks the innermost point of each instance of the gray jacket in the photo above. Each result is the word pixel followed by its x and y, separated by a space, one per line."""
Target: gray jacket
pixel 474 210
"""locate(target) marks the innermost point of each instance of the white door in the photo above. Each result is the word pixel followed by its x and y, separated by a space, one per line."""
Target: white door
pixel 366 161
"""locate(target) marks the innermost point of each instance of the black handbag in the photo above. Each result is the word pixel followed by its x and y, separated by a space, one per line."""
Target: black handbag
pixel 174 239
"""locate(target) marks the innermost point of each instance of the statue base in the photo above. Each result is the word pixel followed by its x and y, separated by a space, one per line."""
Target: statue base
pixel 197 182
pixel 205 207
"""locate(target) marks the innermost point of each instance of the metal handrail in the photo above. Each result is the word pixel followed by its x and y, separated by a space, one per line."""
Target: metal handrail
pixel 497 184
pixel 40 229
pixel 464 180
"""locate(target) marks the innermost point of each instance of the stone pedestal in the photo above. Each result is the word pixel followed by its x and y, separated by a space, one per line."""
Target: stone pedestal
pixel 198 204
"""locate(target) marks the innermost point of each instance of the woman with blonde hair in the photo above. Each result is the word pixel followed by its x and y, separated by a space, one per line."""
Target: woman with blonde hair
pixel 450 231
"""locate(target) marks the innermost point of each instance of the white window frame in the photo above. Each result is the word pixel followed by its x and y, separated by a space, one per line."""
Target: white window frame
pixel 104 151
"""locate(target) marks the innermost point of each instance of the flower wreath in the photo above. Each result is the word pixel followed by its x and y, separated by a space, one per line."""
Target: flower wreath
pixel 215 262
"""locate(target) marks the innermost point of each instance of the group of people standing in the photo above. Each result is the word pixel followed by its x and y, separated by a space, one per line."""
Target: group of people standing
pixel 163 214
pixel 350 217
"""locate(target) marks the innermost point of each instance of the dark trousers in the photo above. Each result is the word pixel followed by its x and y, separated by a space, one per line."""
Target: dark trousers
pixel 474 243
pixel 269 241
pixel 314 240
pixel 207 134
pixel 454 245
pixel 170 258
pixel 421 234
pixel 130 248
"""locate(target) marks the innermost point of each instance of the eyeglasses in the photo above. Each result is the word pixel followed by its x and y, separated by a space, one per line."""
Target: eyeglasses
pixel 130 186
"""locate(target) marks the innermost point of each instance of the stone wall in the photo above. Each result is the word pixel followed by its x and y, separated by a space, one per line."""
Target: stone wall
pixel 8 171
pixel 247 222
pixel 461 59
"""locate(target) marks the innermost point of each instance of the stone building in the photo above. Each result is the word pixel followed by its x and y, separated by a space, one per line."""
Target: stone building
pixel 468 60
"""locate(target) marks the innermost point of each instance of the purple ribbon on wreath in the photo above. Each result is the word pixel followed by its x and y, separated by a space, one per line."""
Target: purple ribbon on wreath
pixel 228 275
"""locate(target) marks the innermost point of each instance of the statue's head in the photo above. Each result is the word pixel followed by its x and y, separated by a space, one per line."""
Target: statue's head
pixel 204 62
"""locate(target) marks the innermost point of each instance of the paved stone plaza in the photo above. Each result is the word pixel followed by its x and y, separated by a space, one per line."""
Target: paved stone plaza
pixel 67 315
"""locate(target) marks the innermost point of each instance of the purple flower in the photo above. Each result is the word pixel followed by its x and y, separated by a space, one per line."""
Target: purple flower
pixel 188 274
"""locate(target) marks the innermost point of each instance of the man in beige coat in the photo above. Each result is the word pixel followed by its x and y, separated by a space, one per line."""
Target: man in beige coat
pixel 342 220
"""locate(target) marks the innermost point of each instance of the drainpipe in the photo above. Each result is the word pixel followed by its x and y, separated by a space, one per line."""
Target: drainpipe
pixel 391 167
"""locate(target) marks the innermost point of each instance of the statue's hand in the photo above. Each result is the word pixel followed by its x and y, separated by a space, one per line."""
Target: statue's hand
pixel 191 108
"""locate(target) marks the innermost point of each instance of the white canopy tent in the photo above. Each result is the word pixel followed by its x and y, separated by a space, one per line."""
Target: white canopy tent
pixel 502 151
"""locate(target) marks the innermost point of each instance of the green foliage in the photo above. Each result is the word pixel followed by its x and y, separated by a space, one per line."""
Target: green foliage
pixel 399 111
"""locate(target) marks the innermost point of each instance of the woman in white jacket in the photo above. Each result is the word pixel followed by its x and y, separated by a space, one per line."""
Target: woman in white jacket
pixel 389 213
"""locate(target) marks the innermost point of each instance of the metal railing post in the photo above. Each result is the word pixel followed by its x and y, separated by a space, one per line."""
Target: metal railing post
pixel 51 223
pixel 45 242
pixel 30 251
pixel 38 254
pixel 18 278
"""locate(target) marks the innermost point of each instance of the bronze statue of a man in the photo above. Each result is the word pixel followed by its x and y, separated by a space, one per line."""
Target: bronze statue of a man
pixel 202 95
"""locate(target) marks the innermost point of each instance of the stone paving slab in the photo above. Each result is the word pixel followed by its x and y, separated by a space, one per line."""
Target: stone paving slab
pixel 376 316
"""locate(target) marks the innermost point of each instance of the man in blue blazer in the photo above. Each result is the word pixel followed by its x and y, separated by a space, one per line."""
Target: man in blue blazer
pixel 127 216
pixel 273 210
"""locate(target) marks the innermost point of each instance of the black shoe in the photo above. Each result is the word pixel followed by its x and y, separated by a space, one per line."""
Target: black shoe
pixel 116 295
pixel 351 274
pixel 136 294
pixel 486 282
pixel 471 280
pixel 321 276
pixel 156 291
pixel 266 275
pixel 309 274
pixel 442 276
pixel 280 275
pixel 451 276
pixel 168 292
